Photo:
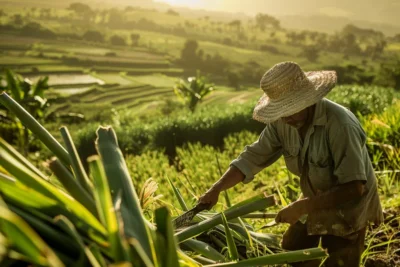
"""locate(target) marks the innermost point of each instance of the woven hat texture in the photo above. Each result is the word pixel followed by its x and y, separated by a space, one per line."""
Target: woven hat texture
pixel 288 90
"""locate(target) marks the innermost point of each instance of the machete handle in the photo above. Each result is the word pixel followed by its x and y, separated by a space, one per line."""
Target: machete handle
pixel 202 206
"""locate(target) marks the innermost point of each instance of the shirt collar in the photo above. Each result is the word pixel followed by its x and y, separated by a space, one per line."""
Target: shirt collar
pixel 320 113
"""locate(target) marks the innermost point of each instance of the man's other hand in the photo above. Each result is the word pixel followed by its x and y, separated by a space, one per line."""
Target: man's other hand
pixel 292 213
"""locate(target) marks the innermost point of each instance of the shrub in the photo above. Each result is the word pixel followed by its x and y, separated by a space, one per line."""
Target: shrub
pixel 117 40
pixel 363 100
pixel 93 36
pixel 210 125
pixel 207 126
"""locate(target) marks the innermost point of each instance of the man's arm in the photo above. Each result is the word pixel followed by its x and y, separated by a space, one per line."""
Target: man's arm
pixel 331 199
pixel 254 158
pixel 231 177
pixel 335 197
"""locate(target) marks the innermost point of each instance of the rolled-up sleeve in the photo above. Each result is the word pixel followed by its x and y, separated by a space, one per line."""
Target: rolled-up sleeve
pixel 347 145
pixel 259 155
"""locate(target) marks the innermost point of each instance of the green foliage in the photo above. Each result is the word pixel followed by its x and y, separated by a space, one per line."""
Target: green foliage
pixel 117 40
pixel 384 138
pixel 311 53
pixel 352 74
pixel 193 91
pixel 93 36
pixel 264 20
pixel 31 97
pixel 189 53
pixel 389 74
pixel 363 100
pixel 212 123
pixel 80 8
pixel 116 230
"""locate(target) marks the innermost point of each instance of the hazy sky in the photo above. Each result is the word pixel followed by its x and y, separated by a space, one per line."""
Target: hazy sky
pixel 358 9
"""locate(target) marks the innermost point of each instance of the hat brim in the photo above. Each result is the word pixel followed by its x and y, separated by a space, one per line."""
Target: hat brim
pixel 321 83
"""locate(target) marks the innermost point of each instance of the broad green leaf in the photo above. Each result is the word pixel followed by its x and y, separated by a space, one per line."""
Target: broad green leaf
pixel 280 258
pixel 46 228
pixel 97 254
pixel 76 163
pixel 257 203
pixel 26 198
pixel 233 253
pixel 178 195
pixel 106 210
pixel 69 227
pixel 140 251
pixel 72 186
pixel 14 153
pixel 35 128
pixel 168 243
pixel 26 240
pixel 120 182
pixel 204 249
pixel 185 260
pixel 13 84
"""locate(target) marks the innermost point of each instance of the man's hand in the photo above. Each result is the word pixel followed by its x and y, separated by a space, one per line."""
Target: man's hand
pixel 292 213
pixel 231 177
pixel 210 197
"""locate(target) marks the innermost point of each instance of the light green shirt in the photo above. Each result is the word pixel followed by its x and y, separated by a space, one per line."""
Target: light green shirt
pixel 336 153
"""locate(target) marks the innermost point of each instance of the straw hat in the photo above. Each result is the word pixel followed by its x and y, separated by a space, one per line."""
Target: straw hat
pixel 288 90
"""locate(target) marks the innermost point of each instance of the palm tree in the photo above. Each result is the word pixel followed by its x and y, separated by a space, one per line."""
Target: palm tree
pixel 193 91
pixel 30 96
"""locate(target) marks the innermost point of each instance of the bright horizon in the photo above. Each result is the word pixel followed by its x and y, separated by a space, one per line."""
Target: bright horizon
pixel 382 11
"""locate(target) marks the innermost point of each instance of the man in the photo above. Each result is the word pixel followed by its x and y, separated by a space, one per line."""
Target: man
pixel 324 144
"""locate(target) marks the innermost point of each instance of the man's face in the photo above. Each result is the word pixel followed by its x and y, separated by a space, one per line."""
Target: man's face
pixel 296 120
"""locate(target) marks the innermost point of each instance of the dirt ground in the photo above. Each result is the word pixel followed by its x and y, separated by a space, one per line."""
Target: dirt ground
pixel 388 236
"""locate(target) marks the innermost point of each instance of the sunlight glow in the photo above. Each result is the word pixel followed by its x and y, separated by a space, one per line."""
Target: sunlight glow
pixel 188 3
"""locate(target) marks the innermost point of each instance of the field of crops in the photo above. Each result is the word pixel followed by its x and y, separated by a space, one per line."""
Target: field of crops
pixel 157 183
pixel 132 154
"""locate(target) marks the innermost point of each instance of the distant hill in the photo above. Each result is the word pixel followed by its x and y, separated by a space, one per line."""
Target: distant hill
pixel 381 16
pixel 304 15
pixel 331 24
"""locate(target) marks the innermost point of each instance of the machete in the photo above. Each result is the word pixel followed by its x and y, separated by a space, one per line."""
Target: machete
pixel 187 217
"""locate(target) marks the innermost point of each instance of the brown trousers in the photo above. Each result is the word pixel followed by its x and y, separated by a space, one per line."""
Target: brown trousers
pixel 342 251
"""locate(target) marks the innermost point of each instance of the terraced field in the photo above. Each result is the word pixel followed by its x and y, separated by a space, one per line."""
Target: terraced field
pixel 126 96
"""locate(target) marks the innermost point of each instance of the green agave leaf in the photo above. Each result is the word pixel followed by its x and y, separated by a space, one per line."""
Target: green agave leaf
pixel 47 230
pixel 66 224
pixel 257 203
pixel 72 186
pixel 108 217
pixel 185 260
pixel 120 182
pixel 204 249
pixel 35 128
pixel 14 84
pixel 26 240
pixel 280 258
pixel 260 215
pixel 97 254
pixel 140 251
pixel 14 153
pixel 269 240
pixel 76 163
pixel 271 201
pixel 167 245
pixel 204 261
pixel 13 166
pixel 178 195
pixel 233 253
pixel 26 198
